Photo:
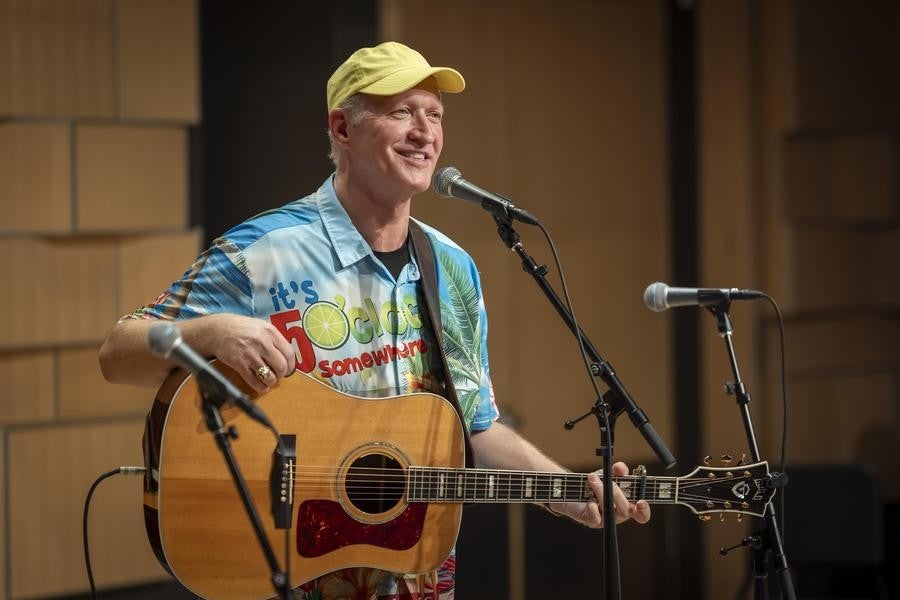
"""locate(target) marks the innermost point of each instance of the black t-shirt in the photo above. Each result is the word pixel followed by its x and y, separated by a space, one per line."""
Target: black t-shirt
pixel 395 260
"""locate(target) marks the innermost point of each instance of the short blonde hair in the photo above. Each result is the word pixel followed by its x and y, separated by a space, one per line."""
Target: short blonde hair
pixel 355 109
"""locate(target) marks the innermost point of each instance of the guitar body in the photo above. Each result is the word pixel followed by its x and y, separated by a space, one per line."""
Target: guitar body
pixel 197 524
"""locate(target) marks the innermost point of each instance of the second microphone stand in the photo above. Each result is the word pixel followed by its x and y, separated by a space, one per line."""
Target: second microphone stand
pixel 606 408
pixel 767 542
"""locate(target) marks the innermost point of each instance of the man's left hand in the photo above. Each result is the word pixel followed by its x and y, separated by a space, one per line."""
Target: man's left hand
pixel 590 513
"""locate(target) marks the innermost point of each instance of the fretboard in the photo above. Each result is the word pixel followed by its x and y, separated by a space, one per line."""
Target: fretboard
pixel 438 484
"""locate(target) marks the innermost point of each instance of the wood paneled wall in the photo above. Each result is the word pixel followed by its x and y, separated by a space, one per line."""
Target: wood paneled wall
pixel 95 99
pixel 830 206
pixel 799 112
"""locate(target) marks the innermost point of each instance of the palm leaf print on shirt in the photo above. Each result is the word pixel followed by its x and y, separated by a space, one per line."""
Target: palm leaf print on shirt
pixel 461 333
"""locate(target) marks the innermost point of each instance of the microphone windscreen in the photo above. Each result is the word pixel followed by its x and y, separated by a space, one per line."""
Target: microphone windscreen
pixel 162 339
pixel 443 179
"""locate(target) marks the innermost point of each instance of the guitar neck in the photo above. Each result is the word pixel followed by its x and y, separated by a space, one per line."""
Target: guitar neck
pixel 477 486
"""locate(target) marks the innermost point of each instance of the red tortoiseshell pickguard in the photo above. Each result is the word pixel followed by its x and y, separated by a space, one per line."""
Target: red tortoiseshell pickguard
pixel 323 526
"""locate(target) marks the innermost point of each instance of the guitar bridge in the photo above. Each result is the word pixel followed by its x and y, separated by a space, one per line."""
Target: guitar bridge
pixel 281 481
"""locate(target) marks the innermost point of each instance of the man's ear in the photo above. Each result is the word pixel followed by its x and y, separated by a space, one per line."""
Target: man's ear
pixel 339 126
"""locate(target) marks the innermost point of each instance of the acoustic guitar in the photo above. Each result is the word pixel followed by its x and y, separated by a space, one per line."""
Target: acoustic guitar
pixel 376 483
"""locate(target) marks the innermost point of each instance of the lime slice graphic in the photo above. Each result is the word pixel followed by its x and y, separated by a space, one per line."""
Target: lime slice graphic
pixel 326 325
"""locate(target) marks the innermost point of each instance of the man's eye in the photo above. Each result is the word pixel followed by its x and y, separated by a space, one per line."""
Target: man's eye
pixel 402 112
pixel 435 117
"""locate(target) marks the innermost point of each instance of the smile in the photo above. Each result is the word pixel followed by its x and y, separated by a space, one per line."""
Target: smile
pixel 414 155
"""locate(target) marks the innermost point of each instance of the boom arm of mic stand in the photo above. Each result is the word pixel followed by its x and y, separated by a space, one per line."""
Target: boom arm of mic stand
pixel 617 396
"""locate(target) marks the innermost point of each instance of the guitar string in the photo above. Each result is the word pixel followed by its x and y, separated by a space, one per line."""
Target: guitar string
pixel 436 471
pixel 427 479
pixel 327 475
pixel 400 475
pixel 375 483
pixel 361 482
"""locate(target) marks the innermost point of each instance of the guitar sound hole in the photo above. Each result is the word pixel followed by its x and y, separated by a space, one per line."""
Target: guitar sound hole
pixel 375 483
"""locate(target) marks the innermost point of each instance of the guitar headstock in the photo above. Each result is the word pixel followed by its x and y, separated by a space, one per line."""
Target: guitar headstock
pixel 741 489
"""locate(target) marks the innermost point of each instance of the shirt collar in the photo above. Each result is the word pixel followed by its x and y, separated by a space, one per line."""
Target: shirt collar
pixel 349 245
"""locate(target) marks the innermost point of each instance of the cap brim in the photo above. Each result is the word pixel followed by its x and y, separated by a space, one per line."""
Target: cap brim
pixel 448 80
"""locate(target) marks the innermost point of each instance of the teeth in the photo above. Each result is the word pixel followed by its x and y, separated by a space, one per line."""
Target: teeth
pixel 414 155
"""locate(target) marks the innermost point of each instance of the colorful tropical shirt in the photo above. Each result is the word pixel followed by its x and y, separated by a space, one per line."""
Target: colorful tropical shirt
pixel 306 269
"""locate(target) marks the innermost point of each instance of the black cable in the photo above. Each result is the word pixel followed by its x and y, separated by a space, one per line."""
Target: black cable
pixel 784 404
pixel 87 506
pixel 576 328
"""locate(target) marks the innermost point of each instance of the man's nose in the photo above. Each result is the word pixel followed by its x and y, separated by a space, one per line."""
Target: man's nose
pixel 423 129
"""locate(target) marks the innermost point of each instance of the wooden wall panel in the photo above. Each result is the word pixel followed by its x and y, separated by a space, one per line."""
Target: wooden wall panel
pixel 35 177
pixel 130 178
pixel 837 343
pixel 29 389
pixel 83 393
pixel 48 480
pixel 776 114
pixel 829 268
pixel 823 172
pixel 61 292
pixel 70 171
pixel 3 533
pixel 832 416
pixel 158 75
pixel 883 259
pixel 6 59
pixel 58 57
pixel 845 64
pixel 727 215
pixel 149 264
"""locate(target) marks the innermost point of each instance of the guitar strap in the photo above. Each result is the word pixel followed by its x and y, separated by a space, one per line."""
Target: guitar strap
pixel 425 258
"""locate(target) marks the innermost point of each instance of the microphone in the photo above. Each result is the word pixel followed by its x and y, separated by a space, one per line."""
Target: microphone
pixel 449 182
pixel 659 296
pixel 165 341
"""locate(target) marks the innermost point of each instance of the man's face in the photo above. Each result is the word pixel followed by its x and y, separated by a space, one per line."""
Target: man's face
pixel 395 148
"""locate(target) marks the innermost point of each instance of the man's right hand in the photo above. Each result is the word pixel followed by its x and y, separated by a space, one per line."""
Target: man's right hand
pixel 248 346
pixel 243 343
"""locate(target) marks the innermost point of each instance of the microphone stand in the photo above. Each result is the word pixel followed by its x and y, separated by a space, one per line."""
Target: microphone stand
pixel 606 408
pixel 213 397
pixel 767 541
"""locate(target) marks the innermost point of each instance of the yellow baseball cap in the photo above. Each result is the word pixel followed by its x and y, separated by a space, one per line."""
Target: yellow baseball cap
pixel 385 70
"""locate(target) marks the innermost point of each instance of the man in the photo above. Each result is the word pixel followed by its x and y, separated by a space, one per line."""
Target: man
pixel 329 285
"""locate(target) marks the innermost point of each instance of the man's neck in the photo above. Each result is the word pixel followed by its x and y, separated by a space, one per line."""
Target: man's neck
pixel 382 221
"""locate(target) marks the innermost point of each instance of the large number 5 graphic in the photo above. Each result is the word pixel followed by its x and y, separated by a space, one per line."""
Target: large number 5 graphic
pixel 306 358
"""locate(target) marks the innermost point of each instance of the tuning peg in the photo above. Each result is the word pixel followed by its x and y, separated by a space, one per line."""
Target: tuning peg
pixel 729 475
pixel 740 518
pixel 726 459
pixel 707 460
pixel 727 504
pixel 745 505
pixel 747 474
pixel 722 517
pixel 743 459
pixel 704 518
pixel 709 504
pixel 711 475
